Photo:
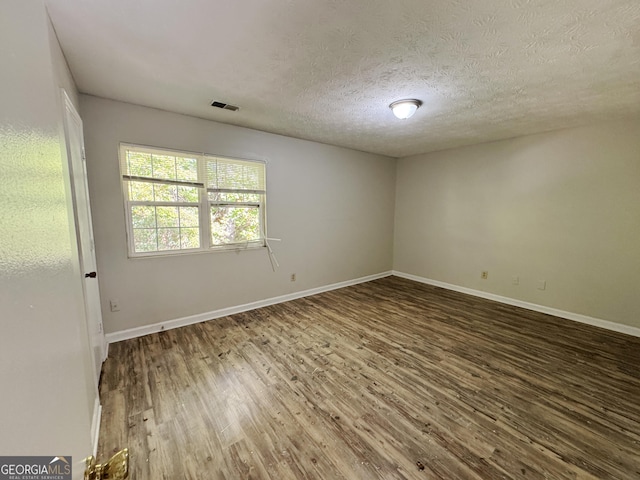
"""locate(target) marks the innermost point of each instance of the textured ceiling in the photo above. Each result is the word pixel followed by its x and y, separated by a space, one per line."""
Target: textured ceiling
pixel 326 70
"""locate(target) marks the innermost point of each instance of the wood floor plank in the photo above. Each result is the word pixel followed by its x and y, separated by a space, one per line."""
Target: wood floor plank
pixel 389 379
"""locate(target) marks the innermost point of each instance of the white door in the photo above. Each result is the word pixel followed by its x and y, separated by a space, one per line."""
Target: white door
pixel 84 231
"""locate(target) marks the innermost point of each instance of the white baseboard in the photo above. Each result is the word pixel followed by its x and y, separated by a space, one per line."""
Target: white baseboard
pixel 576 317
pixel 223 312
pixel 95 426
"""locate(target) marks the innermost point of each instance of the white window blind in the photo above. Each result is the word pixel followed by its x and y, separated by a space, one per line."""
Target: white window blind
pixel 179 201
pixel 236 192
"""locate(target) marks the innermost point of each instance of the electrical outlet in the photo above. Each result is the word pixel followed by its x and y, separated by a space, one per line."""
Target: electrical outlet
pixel 542 285
pixel 114 305
pixel 515 280
pixel 484 275
pixel 293 277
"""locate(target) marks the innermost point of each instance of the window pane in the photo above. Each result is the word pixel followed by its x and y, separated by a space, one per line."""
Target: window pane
pixel 139 164
pixel 189 217
pixel 168 239
pixel 165 193
pixel 234 224
pixel 252 197
pixel 188 194
pixel 189 238
pixel 164 166
pixel 187 169
pixel 144 240
pixel 167 216
pixel 140 191
pixel 143 217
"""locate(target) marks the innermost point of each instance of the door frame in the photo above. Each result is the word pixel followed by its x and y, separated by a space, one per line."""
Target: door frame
pixel 86 250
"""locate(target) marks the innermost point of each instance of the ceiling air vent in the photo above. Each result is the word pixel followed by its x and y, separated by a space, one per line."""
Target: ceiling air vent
pixel 225 106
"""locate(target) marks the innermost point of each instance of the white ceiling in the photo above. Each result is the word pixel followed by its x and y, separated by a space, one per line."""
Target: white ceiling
pixel 326 70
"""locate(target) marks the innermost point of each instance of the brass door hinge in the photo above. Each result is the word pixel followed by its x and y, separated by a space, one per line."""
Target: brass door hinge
pixel 117 468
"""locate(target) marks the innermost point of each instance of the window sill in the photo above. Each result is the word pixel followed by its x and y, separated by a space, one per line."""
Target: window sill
pixel 180 253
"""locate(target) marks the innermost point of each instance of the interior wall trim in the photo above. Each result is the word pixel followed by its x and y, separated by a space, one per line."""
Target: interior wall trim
pixel 576 317
pixel 223 312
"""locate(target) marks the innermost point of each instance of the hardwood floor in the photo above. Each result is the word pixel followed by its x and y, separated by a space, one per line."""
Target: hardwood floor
pixel 388 379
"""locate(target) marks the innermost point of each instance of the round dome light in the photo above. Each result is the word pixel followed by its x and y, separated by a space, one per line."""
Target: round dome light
pixel 404 109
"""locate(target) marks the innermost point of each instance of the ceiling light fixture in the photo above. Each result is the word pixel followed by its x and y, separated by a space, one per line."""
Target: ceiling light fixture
pixel 405 108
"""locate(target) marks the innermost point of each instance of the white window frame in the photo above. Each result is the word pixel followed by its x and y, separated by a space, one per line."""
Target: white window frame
pixel 204 203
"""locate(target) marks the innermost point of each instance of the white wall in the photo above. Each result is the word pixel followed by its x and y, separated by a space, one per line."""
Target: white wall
pixel 47 397
pixel 562 207
pixel 332 207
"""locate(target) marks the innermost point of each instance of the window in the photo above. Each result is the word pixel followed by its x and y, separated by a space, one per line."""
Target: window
pixel 183 202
